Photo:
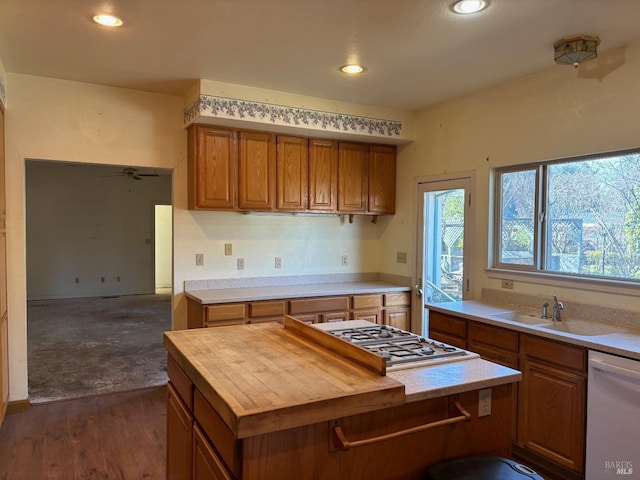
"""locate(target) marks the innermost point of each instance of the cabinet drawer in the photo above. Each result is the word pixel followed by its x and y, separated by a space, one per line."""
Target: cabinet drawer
pixel 448 324
pixel 180 382
pixel 217 431
pixel 321 304
pixel 492 337
pixel 503 358
pixel 266 309
pixel 373 315
pixel 563 355
pixel 206 462
pixel 334 317
pixel 231 311
pixel 366 301
pixel 397 299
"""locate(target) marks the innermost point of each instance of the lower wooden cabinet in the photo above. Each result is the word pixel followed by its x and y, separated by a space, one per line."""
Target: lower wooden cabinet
pixel 392 308
pixel 551 398
pixel 206 463
pixel 180 433
pixel 552 413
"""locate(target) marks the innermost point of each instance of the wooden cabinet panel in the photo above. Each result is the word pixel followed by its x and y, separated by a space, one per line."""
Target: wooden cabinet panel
pixel 318 304
pixel 551 419
pixel 206 463
pixel 353 185
pixel 398 317
pixel 212 164
pixel 448 329
pixel 334 317
pixel 366 301
pixel 382 179
pixel 561 354
pixel 180 382
pixel 481 335
pixel 323 175
pixel 226 311
pixel 256 170
pixel 268 309
pixel 180 436
pixel 397 299
pixel 292 167
pixel 217 431
pixel 374 315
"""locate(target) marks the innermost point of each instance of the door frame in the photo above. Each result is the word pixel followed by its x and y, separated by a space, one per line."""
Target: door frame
pixel 466 180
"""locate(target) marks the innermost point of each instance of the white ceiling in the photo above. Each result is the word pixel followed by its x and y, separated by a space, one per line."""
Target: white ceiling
pixel 417 52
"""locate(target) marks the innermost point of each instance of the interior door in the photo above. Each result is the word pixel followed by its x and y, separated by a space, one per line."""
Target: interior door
pixel 444 227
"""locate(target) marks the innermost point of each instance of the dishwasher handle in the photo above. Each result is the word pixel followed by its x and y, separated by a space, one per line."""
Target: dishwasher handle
pixel 621 371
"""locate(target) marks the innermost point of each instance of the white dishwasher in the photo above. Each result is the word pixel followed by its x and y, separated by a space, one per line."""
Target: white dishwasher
pixel 613 418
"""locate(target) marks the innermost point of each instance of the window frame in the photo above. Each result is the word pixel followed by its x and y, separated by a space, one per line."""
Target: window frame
pixel 537 272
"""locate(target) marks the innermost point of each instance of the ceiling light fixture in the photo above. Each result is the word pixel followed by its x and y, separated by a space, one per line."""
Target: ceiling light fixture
pixel 352 68
pixel 576 49
pixel 107 20
pixel 466 7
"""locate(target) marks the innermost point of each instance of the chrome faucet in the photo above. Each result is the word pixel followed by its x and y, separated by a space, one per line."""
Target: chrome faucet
pixel 557 308
pixel 544 310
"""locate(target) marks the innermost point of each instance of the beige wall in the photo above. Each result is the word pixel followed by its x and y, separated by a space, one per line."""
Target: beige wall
pixel 557 112
pixel 60 120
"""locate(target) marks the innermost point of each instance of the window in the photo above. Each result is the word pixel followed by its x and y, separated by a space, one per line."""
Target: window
pixel 573 217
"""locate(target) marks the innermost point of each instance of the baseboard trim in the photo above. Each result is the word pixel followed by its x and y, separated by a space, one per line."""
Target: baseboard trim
pixel 17 406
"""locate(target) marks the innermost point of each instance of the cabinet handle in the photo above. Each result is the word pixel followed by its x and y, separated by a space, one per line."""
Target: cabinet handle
pixel 341 443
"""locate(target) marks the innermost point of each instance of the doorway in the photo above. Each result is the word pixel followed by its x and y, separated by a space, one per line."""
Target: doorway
pixel 94 319
pixel 444 227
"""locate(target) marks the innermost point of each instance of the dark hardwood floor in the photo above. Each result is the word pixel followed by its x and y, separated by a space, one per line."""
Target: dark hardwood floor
pixel 112 436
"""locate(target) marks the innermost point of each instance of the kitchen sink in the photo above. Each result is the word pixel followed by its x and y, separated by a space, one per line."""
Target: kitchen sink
pixel 523 316
pixel 586 329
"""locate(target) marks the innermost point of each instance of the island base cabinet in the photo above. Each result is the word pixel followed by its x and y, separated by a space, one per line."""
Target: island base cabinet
pixel 308 452
pixel 206 463
pixel 179 431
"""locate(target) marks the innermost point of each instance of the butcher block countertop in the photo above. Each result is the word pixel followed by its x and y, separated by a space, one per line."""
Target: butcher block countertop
pixel 263 377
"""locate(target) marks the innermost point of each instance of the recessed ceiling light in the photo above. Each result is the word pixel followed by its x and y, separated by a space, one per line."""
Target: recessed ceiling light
pixel 107 20
pixel 352 68
pixel 465 7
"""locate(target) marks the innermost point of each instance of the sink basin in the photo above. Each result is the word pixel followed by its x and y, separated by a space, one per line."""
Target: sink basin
pixel 527 316
pixel 585 329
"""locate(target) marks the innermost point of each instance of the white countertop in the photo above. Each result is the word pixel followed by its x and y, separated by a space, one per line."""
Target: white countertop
pixel 626 344
pixel 250 294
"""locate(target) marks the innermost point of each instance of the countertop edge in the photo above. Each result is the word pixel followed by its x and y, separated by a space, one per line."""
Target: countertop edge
pixel 250 294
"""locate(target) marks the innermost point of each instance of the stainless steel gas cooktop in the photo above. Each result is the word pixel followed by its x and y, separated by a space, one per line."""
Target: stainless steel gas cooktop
pixel 402 349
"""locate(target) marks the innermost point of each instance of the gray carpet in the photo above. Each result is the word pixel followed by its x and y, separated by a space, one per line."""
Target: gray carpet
pixel 87 346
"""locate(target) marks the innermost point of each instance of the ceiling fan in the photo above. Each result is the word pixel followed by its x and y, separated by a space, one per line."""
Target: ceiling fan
pixel 132 173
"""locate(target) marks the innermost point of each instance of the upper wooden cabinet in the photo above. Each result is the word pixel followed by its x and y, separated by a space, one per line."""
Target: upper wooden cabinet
pixel 353 185
pixel 213 168
pixel 247 170
pixel 292 166
pixel 382 179
pixel 256 170
pixel 323 175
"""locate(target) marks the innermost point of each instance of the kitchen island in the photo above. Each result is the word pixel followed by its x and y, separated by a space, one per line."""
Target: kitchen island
pixel 272 401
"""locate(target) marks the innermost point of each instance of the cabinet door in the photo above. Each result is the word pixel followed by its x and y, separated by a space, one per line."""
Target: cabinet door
pixel 179 437
pixel 323 175
pixel 398 317
pixel 448 329
pixel 292 166
pixel 206 463
pixel 374 315
pixel 212 164
pixel 353 166
pixel 257 170
pixel 382 179
pixel 551 419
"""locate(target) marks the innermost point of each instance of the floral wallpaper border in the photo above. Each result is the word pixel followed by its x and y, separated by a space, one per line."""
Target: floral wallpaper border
pixel 280 114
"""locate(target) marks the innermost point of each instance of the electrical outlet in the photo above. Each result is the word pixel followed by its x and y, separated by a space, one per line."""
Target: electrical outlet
pixel 101 279
pixel 345 260
pixel 228 248
pixel 199 259
pixel 240 263
pixel 77 279
pixel 401 257
pixel 278 262
pixel 507 284
pixel 118 278
pixel 484 402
